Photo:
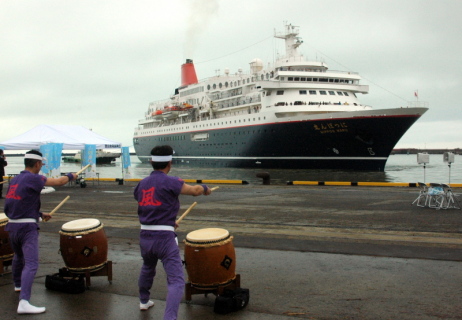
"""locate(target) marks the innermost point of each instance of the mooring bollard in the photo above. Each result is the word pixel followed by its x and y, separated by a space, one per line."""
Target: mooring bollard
pixel 265 176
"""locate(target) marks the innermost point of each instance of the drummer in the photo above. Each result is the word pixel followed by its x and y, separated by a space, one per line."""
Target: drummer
pixel 158 206
pixel 22 207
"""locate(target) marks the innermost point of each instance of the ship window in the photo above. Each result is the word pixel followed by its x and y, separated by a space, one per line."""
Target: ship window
pixel 302 79
pixel 315 79
pixel 220 85
pixel 312 91
pixel 208 87
pixel 323 92
pixel 302 91
pixel 309 79
pixel 214 86
pixel 263 77
pixel 340 93
pixel 226 84
pixel 280 92
pixel 332 93
pixel 290 78
pixel 268 93
pixel 346 93
pixel 297 79
pixel 323 80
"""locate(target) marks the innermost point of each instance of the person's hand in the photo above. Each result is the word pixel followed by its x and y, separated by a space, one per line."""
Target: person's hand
pixel 46 216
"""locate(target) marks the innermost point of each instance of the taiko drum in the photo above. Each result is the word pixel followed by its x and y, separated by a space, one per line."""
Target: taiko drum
pixel 6 252
pixel 83 245
pixel 210 258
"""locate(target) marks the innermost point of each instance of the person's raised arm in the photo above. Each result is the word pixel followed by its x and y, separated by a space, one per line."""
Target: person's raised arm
pixel 54 182
pixel 196 190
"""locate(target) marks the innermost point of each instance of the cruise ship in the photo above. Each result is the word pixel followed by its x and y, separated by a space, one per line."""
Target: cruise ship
pixel 293 113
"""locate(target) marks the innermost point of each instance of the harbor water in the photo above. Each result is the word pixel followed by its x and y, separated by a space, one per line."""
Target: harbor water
pixel 399 168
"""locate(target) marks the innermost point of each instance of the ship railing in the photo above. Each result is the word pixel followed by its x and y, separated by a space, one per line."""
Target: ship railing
pixel 418 104
pixel 242 102
pixel 341 71
pixel 158 102
pixel 226 94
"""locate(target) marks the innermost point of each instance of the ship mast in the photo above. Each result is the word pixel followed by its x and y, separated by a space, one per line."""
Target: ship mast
pixel 292 41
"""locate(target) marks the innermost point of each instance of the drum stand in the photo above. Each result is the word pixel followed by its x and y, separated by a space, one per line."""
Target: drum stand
pixel 106 270
pixel 4 264
pixel 189 289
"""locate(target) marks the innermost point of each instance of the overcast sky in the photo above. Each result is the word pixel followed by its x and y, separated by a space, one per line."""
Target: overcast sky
pixel 98 64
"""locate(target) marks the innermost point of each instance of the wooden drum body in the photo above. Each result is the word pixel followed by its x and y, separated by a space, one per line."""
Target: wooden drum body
pixel 83 245
pixel 6 252
pixel 210 258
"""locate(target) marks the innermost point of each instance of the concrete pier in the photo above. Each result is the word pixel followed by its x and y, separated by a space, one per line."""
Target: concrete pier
pixel 307 252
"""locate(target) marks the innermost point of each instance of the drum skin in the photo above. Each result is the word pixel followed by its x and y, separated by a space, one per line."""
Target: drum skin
pixel 84 250
pixel 210 263
pixel 6 252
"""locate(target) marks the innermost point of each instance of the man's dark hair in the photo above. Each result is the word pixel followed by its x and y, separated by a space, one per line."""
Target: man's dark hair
pixel 29 163
pixel 161 151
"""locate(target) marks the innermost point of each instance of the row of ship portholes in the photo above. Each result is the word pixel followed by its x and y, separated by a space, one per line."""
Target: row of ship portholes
pixel 224 123
pixel 183 137
pixel 236 83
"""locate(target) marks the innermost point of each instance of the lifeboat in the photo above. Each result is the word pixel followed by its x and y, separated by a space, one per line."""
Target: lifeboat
pixel 171 112
pixel 157 114
pixel 172 108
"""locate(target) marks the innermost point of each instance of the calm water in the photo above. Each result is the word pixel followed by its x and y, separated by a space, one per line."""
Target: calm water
pixel 399 168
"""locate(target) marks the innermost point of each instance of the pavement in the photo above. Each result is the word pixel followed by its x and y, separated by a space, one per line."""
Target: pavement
pixel 304 252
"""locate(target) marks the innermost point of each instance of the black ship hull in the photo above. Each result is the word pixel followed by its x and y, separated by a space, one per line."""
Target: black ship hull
pixel 360 143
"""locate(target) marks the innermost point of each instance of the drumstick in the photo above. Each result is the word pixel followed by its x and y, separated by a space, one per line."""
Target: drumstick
pixel 3 181
pixel 185 213
pixel 82 170
pixel 214 188
pixel 59 205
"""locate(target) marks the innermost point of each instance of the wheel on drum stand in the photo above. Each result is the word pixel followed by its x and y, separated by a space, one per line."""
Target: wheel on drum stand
pixel 190 289
pixel 4 266
pixel 106 270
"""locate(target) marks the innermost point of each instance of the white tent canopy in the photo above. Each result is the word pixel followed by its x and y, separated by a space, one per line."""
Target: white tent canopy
pixel 73 138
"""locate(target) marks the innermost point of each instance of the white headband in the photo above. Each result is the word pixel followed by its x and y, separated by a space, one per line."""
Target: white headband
pixel 161 158
pixel 34 156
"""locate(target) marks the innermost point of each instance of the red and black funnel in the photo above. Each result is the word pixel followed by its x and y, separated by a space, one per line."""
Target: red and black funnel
pixel 188 73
